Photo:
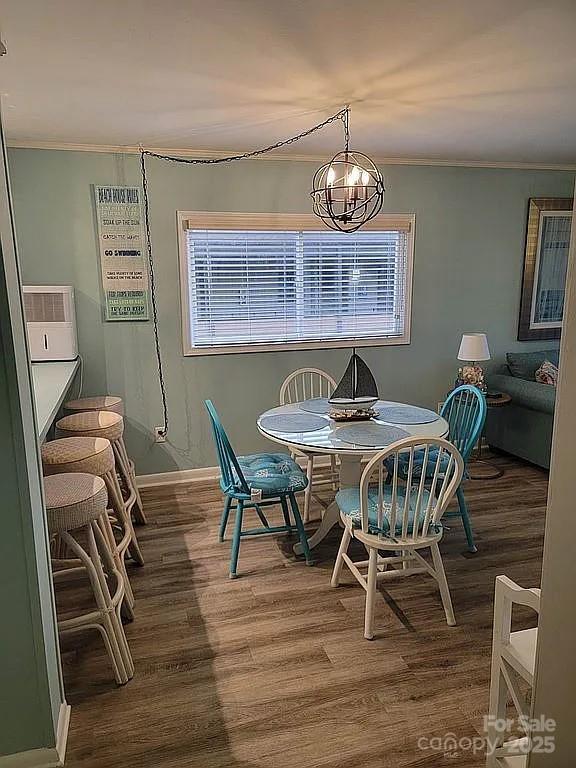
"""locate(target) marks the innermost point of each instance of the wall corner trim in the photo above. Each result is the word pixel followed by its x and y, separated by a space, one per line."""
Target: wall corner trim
pixel 47 757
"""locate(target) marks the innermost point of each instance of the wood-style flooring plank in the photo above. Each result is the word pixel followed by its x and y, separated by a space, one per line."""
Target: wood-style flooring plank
pixel 271 670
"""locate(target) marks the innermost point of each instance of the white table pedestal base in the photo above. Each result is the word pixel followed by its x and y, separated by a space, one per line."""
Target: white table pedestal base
pixel 350 472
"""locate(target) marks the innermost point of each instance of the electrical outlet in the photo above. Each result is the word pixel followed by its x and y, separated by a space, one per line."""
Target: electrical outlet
pixel 159 436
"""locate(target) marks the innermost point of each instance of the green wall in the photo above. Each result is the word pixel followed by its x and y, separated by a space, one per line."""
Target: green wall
pixel 25 708
pixel 31 691
pixel 470 225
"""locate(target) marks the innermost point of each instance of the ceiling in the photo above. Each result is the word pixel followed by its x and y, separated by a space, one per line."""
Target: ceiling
pixel 491 81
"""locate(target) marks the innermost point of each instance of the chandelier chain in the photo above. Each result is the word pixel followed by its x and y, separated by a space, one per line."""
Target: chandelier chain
pixel 346 121
pixel 153 302
pixel 342 114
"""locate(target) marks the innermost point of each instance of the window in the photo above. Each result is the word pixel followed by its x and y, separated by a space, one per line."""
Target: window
pixel 263 282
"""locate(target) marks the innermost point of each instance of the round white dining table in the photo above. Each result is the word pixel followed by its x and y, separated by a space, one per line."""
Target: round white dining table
pixel 324 440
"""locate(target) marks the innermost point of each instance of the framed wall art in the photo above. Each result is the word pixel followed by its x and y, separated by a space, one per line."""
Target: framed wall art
pixel 545 264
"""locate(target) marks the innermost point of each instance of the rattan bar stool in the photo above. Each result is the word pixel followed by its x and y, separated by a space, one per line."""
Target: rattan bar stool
pixel 98 403
pixel 108 424
pixel 115 404
pixel 76 511
pixel 94 456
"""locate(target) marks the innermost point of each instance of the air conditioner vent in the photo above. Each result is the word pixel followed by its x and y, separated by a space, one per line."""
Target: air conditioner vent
pixel 44 307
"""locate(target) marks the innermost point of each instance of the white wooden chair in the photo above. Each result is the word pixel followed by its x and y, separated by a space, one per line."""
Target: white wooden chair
pixel 402 517
pixel 513 658
pixel 307 384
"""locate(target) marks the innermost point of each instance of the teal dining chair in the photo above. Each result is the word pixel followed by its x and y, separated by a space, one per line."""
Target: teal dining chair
pixel 253 482
pixel 465 411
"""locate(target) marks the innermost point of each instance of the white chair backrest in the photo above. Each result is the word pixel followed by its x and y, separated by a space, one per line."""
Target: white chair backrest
pixel 305 384
pixel 426 475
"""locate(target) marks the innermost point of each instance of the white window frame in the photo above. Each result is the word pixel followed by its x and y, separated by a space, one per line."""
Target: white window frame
pixel 186 220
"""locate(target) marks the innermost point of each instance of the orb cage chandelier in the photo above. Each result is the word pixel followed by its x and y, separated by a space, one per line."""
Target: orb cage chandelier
pixel 348 191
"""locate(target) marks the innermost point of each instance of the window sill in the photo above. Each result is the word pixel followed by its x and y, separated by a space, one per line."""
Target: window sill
pixel 236 349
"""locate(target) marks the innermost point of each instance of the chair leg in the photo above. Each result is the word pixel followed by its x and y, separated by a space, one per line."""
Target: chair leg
pixel 443 584
pixel 224 518
pixel 285 512
pixel 334 472
pixel 466 520
pixel 344 544
pixel 236 539
pixel 370 594
pixel 308 491
pixel 301 530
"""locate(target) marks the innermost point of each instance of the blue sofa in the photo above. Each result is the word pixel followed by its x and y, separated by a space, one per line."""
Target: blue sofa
pixel 523 428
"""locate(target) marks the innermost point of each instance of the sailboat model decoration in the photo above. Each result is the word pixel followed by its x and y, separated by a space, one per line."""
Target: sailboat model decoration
pixel 357 389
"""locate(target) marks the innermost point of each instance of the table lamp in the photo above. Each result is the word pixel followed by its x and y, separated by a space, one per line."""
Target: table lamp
pixel 473 349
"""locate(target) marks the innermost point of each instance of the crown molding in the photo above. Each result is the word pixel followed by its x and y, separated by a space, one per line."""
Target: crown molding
pixel 210 154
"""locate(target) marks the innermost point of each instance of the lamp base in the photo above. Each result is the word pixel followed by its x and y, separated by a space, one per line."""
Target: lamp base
pixel 472 374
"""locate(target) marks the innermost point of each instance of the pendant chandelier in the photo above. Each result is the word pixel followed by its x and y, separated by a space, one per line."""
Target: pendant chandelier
pixel 349 190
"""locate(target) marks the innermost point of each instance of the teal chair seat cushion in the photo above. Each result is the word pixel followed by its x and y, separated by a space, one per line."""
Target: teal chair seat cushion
pixel 418 461
pixel 272 473
pixel 348 499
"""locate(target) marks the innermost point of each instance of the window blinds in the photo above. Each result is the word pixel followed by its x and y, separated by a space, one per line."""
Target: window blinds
pixel 249 286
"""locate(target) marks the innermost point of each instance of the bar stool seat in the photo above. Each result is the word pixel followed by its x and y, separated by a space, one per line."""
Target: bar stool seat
pixel 98 403
pixel 73 502
pixel 106 424
pixel 75 454
pixel 109 425
pixel 94 456
pixel 76 511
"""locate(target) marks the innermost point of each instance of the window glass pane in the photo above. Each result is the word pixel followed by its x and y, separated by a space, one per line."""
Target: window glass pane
pixel 251 287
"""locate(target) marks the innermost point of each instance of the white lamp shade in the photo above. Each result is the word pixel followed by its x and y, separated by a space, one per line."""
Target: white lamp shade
pixel 474 347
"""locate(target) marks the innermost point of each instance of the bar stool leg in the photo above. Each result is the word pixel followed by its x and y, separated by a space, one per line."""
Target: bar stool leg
pixel 129 540
pixel 104 604
pixel 129 478
pixel 106 567
pixel 127 602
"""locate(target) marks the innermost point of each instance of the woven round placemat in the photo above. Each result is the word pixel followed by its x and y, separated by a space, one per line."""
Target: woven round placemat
pixel 315 405
pixel 407 414
pixel 370 434
pixel 293 422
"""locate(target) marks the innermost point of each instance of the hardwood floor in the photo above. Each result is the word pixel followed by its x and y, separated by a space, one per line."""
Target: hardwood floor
pixel 271 670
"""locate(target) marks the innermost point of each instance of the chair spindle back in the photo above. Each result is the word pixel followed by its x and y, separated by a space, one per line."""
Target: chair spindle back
pixel 418 496
pixel 465 411
pixel 306 384
pixel 232 477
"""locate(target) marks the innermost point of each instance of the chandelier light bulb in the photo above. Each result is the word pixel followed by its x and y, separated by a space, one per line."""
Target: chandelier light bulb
pixel 354 176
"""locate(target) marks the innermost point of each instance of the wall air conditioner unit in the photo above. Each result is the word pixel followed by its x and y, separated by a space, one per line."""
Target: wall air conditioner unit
pixel 50 322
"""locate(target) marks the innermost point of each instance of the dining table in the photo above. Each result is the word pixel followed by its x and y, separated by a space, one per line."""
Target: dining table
pixel 307 427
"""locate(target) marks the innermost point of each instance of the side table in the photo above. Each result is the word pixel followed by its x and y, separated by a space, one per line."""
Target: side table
pixel 493 400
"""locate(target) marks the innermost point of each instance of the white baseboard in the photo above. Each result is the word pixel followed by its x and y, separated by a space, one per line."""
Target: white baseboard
pixel 47 757
pixel 200 474
pixel 178 476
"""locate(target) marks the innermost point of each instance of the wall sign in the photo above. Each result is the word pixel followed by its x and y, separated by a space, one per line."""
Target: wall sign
pixel 121 241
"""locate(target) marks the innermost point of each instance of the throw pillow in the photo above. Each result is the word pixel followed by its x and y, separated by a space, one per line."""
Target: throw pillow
pixel 547 373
